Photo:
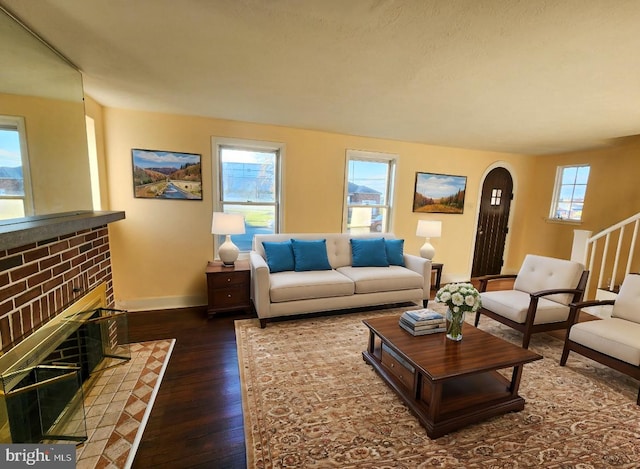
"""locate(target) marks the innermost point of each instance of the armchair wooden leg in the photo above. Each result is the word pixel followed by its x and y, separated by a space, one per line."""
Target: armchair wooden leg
pixel 475 323
pixel 526 339
pixel 565 355
pixel 638 401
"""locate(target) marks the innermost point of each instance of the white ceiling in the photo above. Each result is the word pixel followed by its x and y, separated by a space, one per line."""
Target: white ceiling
pixel 523 76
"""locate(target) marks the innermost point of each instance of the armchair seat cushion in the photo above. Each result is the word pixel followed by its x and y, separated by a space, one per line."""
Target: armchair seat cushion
pixel 382 279
pixel 614 337
pixel 514 304
pixel 291 285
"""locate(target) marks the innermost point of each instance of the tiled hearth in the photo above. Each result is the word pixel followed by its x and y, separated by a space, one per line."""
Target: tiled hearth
pixel 118 403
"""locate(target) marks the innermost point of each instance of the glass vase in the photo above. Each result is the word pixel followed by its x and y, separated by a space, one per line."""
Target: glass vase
pixel 454 325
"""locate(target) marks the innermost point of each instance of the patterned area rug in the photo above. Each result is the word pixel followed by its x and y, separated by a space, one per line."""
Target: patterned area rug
pixel 310 400
pixel 118 404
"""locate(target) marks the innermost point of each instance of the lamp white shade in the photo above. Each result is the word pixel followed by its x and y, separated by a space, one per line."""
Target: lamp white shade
pixel 428 229
pixel 227 224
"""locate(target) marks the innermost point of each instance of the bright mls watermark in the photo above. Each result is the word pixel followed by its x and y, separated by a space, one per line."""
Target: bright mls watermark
pixel 38 456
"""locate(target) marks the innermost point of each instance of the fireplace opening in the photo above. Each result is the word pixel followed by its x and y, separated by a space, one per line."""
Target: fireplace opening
pixel 43 379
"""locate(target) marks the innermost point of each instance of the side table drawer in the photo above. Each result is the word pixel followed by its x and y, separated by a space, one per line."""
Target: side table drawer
pixel 228 280
pixel 400 369
pixel 230 297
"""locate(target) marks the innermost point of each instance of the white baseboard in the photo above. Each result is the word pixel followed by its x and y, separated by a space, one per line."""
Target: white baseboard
pixel 165 302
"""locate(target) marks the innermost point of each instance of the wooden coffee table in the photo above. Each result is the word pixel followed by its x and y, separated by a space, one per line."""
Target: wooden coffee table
pixel 447 385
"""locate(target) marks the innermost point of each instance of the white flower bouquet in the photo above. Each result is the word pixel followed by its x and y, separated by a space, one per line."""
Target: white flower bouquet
pixel 459 297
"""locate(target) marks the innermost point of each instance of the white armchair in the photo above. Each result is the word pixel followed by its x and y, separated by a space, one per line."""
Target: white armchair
pixel 540 298
pixel 615 341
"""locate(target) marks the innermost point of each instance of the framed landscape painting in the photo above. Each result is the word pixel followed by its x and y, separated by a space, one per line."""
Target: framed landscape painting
pixel 439 193
pixel 166 175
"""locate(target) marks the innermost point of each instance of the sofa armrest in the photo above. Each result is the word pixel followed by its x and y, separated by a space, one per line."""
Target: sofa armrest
pixel 259 284
pixel 423 267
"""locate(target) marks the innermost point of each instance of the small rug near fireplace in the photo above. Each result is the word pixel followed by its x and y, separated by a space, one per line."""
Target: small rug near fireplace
pixel 310 400
pixel 118 405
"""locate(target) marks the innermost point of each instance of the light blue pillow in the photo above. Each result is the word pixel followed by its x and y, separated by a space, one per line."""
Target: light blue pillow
pixel 279 255
pixel 368 253
pixel 395 251
pixel 310 254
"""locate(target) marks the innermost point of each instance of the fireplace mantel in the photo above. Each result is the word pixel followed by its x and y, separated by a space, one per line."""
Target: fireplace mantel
pixel 24 231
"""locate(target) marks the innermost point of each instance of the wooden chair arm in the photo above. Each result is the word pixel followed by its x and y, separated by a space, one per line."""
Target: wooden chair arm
pixel 575 291
pixel 484 280
pixel 577 306
pixel 585 304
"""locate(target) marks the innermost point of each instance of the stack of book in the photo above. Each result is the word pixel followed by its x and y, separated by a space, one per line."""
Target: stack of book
pixel 422 321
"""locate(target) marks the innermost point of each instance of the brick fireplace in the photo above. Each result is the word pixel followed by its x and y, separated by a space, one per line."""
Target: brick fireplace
pixel 62 258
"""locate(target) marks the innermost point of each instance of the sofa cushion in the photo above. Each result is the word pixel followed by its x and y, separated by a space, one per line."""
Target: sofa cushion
pixel 379 279
pixel 627 304
pixel 279 255
pixel 615 337
pixel 514 304
pixel 368 253
pixel 310 254
pixel 291 286
pixel 395 251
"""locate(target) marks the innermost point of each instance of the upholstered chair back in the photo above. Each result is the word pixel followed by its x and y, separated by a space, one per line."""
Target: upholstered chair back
pixel 627 305
pixel 546 273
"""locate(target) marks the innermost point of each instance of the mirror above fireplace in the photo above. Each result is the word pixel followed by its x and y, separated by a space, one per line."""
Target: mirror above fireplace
pixel 44 90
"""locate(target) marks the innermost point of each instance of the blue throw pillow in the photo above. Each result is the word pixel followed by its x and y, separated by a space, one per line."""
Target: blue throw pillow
pixel 395 251
pixel 279 255
pixel 310 254
pixel 368 253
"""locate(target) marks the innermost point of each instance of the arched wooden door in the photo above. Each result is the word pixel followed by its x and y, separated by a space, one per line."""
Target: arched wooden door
pixel 497 192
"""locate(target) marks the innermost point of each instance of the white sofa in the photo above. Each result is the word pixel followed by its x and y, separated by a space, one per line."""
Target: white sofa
pixel 291 292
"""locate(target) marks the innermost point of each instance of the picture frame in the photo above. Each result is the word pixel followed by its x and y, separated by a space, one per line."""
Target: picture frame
pixel 160 174
pixel 439 193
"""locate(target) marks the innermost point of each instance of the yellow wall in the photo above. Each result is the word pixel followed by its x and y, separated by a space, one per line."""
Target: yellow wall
pixel 57 144
pixel 159 252
pixel 613 194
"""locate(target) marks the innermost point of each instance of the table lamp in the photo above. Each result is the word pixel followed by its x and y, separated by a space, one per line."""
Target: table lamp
pixel 227 224
pixel 428 229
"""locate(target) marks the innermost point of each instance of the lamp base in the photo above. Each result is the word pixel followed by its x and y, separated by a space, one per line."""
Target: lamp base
pixel 427 251
pixel 228 252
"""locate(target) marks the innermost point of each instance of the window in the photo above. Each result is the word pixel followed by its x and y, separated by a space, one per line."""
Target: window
pixel 571 187
pixel 368 191
pixel 15 184
pixel 248 175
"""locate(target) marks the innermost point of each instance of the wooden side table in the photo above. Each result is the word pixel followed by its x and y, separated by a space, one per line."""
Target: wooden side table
pixel 438 269
pixel 228 288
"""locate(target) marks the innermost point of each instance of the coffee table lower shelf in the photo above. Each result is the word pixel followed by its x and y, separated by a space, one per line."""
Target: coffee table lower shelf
pixel 462 401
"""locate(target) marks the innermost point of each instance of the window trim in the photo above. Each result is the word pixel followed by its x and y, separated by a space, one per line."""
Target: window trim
pixel 392 160
pixel 18 123
pixel 555 200
pixel 246 144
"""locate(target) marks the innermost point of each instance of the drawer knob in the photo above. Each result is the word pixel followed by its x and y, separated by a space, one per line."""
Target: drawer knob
pixel 229 296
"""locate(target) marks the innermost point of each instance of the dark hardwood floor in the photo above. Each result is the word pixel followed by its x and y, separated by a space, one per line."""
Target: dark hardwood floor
pixel 196 420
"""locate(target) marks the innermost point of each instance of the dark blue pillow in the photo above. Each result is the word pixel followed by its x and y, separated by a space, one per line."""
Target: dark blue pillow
pixel 279 255
pixel 310 254
pixel 368 253
pixel 395 251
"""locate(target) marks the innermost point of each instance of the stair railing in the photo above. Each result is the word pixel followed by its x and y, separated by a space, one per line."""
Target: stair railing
pixel 597 255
